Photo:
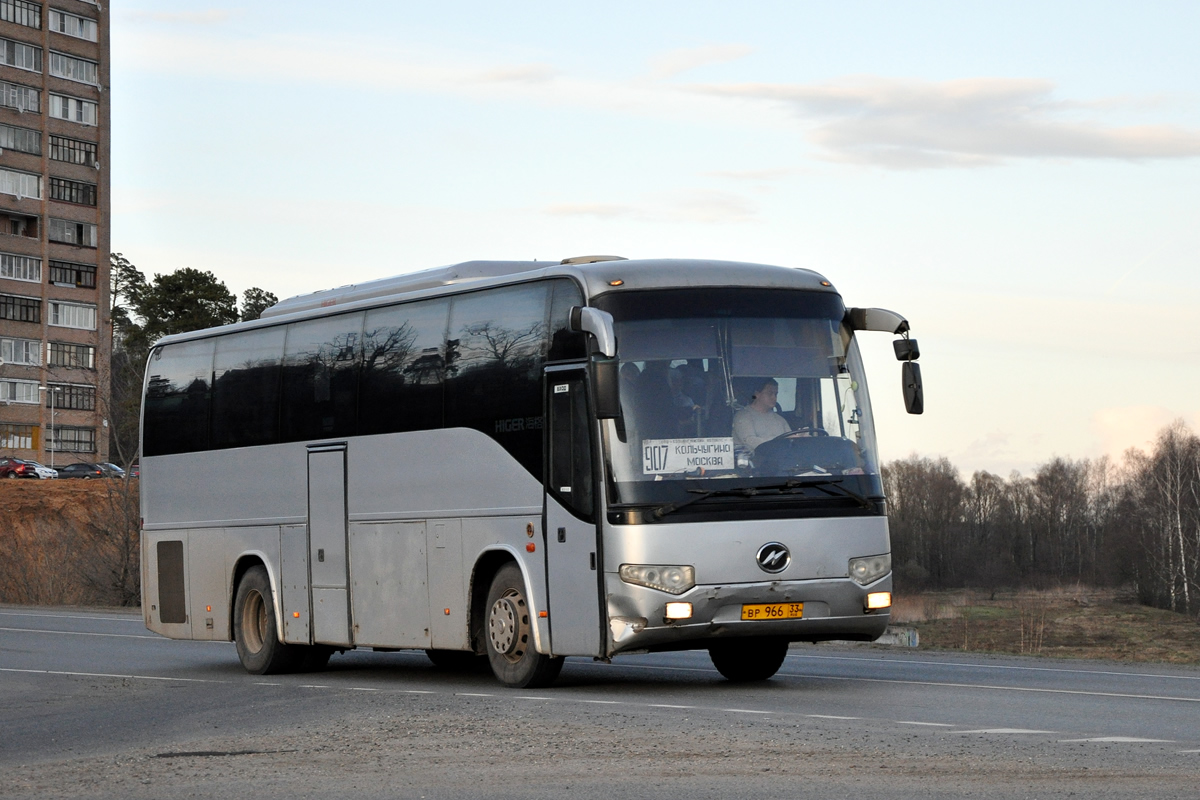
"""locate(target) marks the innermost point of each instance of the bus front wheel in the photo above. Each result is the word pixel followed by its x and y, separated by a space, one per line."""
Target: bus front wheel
pixel 745 660
pixel 254 629
pixel 515 661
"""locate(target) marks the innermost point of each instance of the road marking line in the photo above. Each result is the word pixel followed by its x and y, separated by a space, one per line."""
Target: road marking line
pixel 109 675
pixel 828 716
pixel 1187 751
pixel 667 705
pixel 261 683
pixel 999 666
pixel 113 618
pixel 361 689
pixel 946 684
pixel 745 711
pixel 1004 730
pixel 929 724
pixel 314 686
pixel 1121 740
pixel 82 633
pixel 415 691
pixel 473 694
pixel 602 702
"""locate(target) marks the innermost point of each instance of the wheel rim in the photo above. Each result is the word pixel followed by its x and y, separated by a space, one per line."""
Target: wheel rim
pixel 508 626
pixel 254 622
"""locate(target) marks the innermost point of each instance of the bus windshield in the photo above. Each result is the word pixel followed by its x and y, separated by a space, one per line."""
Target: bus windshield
pixel 743 398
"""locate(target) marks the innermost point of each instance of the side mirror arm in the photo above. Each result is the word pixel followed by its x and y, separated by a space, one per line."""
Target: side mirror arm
pixel 599 324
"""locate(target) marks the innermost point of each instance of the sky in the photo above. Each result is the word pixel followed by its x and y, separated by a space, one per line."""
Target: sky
pixel 1021 180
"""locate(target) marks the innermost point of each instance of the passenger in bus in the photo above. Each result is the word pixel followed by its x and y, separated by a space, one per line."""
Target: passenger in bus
pixel 758 422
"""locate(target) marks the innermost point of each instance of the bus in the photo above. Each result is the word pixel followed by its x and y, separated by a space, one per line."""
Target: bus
pixel 523 461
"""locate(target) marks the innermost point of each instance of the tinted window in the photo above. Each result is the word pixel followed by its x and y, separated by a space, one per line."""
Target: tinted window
pixel 570 451
pixel 494 354
pixel 403 368
pixel 564 343
pixel 320 378
pixel 178 383
pixel 245 403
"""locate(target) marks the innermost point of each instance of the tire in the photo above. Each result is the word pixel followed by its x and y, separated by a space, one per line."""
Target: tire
pixel 509 635
pixel 254 628
pixel 11 475
pixel 746 660
pixel 458 660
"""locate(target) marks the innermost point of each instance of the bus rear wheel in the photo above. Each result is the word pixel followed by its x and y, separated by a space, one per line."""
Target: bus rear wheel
pixel 254 628
pixel 509 635
pixel 746 660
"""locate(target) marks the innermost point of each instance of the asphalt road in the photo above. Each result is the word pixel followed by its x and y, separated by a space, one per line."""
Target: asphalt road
pixel 94 705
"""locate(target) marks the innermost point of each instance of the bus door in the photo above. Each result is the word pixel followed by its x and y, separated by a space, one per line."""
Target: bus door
pixel 327 544
pixel 572 554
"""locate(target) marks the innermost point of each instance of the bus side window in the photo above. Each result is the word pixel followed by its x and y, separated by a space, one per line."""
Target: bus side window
pixel 320 378
pixel 178 393
pixel 404 368
pixel 570 447
pixel 247 365
pixel 495 348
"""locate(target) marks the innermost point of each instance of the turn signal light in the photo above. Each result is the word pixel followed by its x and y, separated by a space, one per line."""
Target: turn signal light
pixel 879 600
pixel 529 548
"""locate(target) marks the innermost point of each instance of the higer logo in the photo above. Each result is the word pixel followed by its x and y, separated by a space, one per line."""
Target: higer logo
pixel 773 557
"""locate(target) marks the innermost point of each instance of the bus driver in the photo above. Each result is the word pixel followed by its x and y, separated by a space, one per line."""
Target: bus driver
pixel 758 422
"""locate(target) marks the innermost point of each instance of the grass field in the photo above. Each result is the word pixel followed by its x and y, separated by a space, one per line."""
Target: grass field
pixel 1063 623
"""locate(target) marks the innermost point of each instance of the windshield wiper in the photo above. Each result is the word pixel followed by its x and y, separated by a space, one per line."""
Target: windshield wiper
pixel 821 484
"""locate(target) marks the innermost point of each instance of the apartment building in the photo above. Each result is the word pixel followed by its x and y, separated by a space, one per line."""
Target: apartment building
pixel 55 332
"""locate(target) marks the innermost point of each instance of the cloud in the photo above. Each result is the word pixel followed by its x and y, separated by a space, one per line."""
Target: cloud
pixel 704 206
pixel 674 62
pixel 754 174
pixel 908 124
pixel 1128 427
pixel 212 16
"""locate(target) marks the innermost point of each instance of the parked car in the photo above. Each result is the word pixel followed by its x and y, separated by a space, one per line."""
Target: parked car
pixel 42 470
pixel 83 470
pixel 21 468
pixel 112 470
pixel 135 470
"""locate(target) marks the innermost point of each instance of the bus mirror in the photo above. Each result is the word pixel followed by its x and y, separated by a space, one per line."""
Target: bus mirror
pixel 876 319
pixel 914 394
pixel 599 324
pixel 606 387
pixel 906 349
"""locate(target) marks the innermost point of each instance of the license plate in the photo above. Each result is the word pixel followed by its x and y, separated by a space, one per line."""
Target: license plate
pixel 760 611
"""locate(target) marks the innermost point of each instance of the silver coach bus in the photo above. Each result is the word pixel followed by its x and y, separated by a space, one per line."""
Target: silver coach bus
pixel 523 462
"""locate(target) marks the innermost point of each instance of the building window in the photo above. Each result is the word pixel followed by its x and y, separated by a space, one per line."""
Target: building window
pixel 72 151
pixel 13 224
pixel 22 98
pixel 20 352
pixel 61 354
pixel 73 315
pixel 65 273
pixel 68 231
pixel 73 191
pixel 73 108
pixel 71 25
pixel 72 396
pixel 18 437
pixel 74 440
pixel 20 268
pixel 23 140
pixel 12 391
pixel 20 184
pixel 20 309
pixel 20 55
pixel 74 69
pixel 22 12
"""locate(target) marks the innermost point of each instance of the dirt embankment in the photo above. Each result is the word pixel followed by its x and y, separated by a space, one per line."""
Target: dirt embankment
pixel 69 542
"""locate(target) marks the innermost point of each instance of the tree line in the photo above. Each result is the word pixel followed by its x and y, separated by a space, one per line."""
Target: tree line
pixel 143 310
pixel 1090 521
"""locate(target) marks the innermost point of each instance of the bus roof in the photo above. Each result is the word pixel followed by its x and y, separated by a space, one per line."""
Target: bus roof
pixel 596 274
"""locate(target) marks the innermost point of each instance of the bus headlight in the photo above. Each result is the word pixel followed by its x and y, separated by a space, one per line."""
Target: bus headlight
pixel 869 569
pixel 673 580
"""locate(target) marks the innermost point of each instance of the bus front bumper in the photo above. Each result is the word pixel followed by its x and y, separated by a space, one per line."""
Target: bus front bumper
pixel 832 609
